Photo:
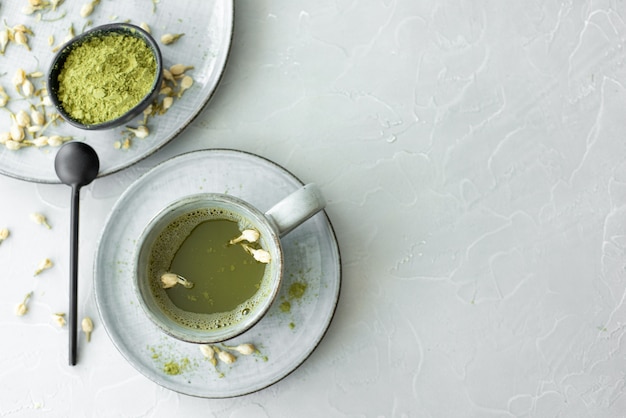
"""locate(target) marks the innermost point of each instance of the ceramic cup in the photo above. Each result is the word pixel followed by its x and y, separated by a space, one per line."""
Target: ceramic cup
pixel 271 225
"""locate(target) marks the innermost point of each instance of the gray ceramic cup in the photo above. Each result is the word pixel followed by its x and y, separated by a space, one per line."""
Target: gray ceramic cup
pixel 211 328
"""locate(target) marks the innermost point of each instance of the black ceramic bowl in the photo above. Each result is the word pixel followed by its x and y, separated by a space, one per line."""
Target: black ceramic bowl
pixel 59 61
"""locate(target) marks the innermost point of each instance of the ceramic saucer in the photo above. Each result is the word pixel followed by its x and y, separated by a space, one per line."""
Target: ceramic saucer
pixel 285 337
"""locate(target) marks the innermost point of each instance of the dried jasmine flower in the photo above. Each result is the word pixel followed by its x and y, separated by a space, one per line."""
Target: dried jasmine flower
pixel 167 103
pixel 209 353
pixel 186 83
pixel 12 145
pixel 35 3
pixel 20 38
pixel 225 356
pixel 29 10
pixel 169 38
pixel 4 40
pixel 148 110
pixel 168 76
pixel 87 327
pixel 22 28
pixel 4 97
pixel 87 9
pixel 4 234
pixel 17 34
pixel 28 88
pixel 16 131
pixel 140 132
pixel 22 308
pixel 125 144
pixel 40 219
pixel 244 349
pixel 259 255
pixel 59 319
pixel 22 118
pixel 56 140
pixel 167 90
pixel 37 117
pixel 40 141
pixel 179 69
pixel 42 6
pixel 33 129
pixel 47 101
pixel 214 353
pixel 19 78
pixel 43 265
pixel 170 280
pixel 249 235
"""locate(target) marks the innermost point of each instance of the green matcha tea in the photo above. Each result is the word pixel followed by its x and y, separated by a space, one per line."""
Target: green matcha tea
pixel 106 76
pixel 223 282
pixel 223 275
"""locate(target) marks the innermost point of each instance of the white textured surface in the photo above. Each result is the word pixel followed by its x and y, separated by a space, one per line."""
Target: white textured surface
pixel 473 155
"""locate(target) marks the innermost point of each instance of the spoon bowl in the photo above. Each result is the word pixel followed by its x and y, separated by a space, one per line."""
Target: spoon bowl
pixel 76 164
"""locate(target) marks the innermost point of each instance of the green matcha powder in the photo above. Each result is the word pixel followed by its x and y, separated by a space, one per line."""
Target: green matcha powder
pixel 106 76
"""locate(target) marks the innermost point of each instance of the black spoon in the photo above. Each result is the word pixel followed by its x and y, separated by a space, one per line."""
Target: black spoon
pixel 76 165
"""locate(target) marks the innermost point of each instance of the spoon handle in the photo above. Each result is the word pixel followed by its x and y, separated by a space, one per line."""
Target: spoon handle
pixel 73 312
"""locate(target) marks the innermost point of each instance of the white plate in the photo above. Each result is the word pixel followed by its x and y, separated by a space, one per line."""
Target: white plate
pixel 207 26
pixel 285 338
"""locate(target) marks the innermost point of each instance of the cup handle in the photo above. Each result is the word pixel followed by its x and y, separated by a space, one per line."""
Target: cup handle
pixel 296 208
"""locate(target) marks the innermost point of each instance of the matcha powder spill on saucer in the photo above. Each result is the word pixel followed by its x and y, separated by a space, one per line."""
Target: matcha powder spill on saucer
pixel 105 76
